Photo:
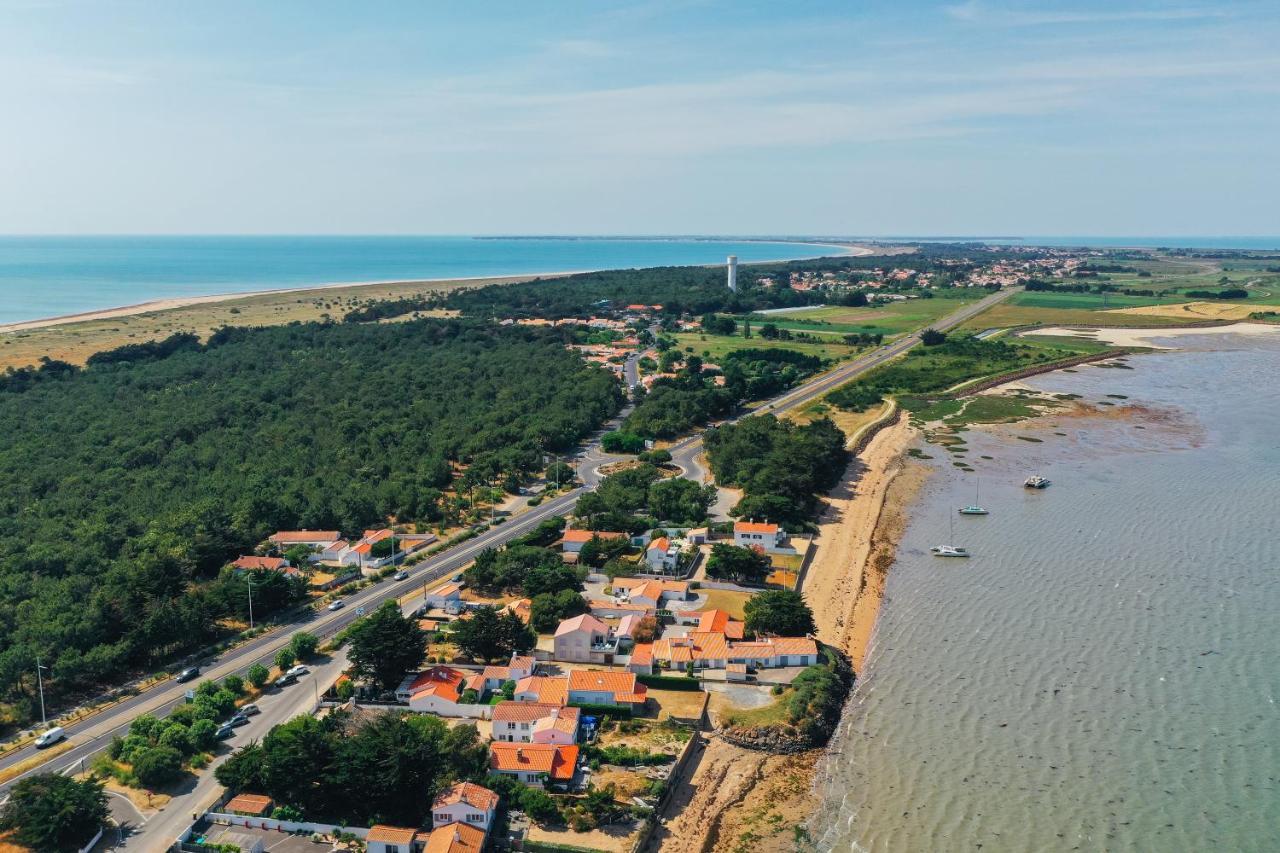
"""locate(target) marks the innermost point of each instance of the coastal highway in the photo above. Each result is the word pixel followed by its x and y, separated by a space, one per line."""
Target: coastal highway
pixel 94 733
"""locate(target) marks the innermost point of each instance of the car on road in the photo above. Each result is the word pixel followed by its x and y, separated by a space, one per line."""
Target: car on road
pixel 457 578
pixel 401 576
pixel 249 710
pixel 188 674
pixel 49 737
pixel 226 730
pixel 285 680
pixel 297 671
pixel 337 604
pixel 359 611
pixel 237 721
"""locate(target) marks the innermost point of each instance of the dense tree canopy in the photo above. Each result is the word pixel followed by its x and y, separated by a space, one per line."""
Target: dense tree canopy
pixel 385 645
pixel 395 763
pixel 130 484
pixel 490 634
pixel 51 813
pixel 634 499
pixel 780 613
pixel 781 467
pixel 732 562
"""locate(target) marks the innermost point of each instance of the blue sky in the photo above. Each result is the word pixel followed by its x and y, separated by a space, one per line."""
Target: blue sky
pixel 869 118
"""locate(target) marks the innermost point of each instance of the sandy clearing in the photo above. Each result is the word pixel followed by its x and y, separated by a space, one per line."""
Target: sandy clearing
pixel 1183 310
pixel 1147 337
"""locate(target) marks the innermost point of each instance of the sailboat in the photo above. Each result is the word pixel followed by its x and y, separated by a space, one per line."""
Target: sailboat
pixel 973 508
pixel 949 550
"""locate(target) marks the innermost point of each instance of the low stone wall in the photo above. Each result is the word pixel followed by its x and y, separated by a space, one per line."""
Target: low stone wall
pixel 1036 370
pixel 766 739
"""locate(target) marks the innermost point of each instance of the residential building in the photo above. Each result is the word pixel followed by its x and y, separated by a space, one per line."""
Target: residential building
pixel 703 649
pixel 573 540
pixel 522 608
pixel 600 687
pixel 315 538
pixel 721 622
pixel 439 689
pixel 465 802
pixel 534 722
pixel 264 564
pixel 749 534
pixel 445 597
pixel 543 689
pixel 641 659
pixel 392 839
pixel 453 838
pixel 249 805
pixel 521 666
pixel 771 652
pixel 652 594
pixel 330 552
pixel 661 555
pixel 584 639
pixel 535 764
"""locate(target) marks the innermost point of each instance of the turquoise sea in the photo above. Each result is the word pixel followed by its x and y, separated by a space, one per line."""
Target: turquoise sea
pixel 54 276
pixel 1102 674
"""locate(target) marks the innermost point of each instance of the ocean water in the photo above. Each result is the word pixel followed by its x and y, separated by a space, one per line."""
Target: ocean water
pixel 53 276
pixel 1184 242
pixel 1102 674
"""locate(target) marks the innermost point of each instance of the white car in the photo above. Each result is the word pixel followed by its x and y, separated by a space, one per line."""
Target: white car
pixel 297 671
pixel 336 604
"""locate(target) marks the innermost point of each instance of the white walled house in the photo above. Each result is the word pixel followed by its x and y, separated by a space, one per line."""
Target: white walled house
pixel 751 534
pixel 467 803
pixel 577 639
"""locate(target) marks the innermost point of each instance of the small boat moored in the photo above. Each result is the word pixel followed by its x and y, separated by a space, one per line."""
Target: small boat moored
pixel 1036 482
pixel 974 508
pixel 948 551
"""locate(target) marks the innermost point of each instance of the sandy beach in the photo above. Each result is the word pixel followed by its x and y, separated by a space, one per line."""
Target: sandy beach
pixel 734 799
pixel 1147 337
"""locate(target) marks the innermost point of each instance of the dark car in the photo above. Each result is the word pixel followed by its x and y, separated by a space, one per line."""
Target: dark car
pixel 286 679
pixel 225 731
pixel 188 674
pixel 237 721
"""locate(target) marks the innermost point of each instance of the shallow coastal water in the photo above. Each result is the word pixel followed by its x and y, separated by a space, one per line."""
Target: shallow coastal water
pixel 1101 674
pixel 54 276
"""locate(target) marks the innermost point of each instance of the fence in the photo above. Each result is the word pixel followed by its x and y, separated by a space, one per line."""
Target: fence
pixel 289 826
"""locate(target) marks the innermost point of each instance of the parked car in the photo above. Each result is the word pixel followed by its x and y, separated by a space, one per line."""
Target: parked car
pixel 457 578
pixel 49 737
pixel 336 604
pixel 188 674
pixel 401 576
pixel 225 731
pixel 285 680
pixel 237 721
pixel 249 710
pixel 297 671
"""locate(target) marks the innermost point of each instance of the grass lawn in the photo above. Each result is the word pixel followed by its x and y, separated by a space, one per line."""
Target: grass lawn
pixel 891 318
pixel 713 347
pixel 685 704
pixel 849 422
pixel 728 600
pixel 767 715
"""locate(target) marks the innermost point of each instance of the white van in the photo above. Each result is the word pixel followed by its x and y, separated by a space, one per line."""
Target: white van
pixel 50 737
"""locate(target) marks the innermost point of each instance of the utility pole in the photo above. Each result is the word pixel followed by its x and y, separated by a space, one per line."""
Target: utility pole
pixel 44 721
pixel 250 585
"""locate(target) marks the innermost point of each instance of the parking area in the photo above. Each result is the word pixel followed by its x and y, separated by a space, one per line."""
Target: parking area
pixel 277 842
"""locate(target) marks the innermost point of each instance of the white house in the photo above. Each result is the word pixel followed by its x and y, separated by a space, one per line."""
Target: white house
pixel 651 594
pixel 603 687
pixel 445 596
pixel 465 802
pixel 662 555
pixel 750 534
pixel 439 690
pixel 331 552
pixel 772 652
pixel 521 666
pixel 535 722
pixel 534 764
pixel 392 839
pixel 578 638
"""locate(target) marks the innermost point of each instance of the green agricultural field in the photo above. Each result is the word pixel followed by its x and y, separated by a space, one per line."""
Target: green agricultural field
pixel 892 318
pixel 713 347
pixel 1088 301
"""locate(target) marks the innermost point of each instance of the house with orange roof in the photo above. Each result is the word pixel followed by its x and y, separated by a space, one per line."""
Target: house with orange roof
pixel 534 764
pixel 771 652
pixel 315 538
pixel 584 639
pixel 750 534
pixel 649 593
pixel 661 555
pixel 720 621
pixel 571 541
pixel 534 722
pixel 438 691
pixel 703 649
pixel 249 805
pixel 601 687
pixel 452 838
pixel 520 666
pixel 543 689
pixel 392 839
pixel 447 597
pixel 264 564
pixel 465 802
pixel 641 661
pixel 521 608
pixel 361 552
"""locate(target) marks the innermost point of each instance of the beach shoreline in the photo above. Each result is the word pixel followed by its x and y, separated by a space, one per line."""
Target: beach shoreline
pixel 175 302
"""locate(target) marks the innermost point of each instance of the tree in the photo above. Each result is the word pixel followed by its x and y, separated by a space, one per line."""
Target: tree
pixel 622 442
pixel 932 337
pixel 491 634
pixel 385 645
pixel 204 735
pixel 732 561
pixel 383 548
pixel 646 630
pixel 158 766
pixel 680 500
pixel 561 474
pixel 234 683
pixel 258 675
pixel 779 613
pixel 285 658
pixel 54 813
pixel 597 551
pixel 303 645
pixel 549 609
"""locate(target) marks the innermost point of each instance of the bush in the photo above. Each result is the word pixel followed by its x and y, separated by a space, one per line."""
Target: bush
pixel 234 683
pixel 303 645
pixel 285 658
pixel 158 766
pixel 258 675
pixel 666 682
pixel 622 442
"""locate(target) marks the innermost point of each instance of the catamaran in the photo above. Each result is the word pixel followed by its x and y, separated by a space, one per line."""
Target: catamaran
pixel 949 550
pixel 973 508
pixel 1036 482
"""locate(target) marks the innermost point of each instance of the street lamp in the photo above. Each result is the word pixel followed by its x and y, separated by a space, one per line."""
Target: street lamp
pixel 250 584
pixel 44 721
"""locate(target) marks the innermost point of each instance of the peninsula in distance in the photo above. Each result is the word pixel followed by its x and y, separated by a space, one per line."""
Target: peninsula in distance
pixel 639 428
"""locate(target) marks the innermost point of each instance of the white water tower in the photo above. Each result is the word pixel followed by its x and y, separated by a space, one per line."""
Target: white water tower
pixel 733 273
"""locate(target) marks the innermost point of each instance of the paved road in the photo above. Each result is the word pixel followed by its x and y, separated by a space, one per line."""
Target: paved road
pixel 93 734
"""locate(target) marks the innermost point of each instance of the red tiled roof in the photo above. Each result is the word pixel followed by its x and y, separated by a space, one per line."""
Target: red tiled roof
pixel 510 711
pixel 581 622
pixel 455 838
pixel 754 527
pixel 558 762
pixel 467 792
pixel 586 535
pixel 248 804
pixel 443 681
pixel 390 834
pixel 304 536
